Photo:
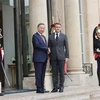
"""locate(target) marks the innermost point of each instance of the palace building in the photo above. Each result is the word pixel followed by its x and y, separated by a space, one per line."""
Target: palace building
pixel 18 22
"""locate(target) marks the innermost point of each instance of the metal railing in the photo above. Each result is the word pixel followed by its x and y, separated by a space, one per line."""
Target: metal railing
pixel 88 68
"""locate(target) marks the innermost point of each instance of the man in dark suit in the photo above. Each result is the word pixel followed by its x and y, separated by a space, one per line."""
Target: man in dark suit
pixel 40 55
pixel 58 45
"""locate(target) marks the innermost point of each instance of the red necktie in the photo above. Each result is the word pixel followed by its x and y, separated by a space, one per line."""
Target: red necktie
pixel 43 38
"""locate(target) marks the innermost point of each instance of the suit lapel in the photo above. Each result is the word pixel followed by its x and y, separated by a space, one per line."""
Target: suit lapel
pixel 60 36
pixel 40 38
pixel 54 38
pixel 45 41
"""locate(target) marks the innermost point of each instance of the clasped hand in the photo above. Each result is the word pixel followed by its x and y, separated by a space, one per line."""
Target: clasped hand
pixel 49 51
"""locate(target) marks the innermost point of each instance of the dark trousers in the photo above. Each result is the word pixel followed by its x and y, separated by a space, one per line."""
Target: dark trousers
pixel 58 67
pixel 98 70
pixel 40 69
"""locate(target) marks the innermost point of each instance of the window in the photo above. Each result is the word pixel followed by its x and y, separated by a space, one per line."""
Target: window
pixel 82 31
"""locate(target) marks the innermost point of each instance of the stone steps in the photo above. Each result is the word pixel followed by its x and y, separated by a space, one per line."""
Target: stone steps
pixel 95 96
pixel 70 93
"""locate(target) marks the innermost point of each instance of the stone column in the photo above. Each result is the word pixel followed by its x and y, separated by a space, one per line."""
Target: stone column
pixel 38 14
pixel 72 26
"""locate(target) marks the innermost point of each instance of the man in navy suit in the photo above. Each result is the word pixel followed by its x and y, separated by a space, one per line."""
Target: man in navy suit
pixel 40 56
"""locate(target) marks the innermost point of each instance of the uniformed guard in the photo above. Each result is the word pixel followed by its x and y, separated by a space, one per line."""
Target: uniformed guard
pixel 96 49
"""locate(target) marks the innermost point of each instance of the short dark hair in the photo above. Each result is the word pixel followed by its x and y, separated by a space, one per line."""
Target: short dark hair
pixel 57 24
pixel 40 24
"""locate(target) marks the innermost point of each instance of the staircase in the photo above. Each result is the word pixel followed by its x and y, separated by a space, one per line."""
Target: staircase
pixel 70 93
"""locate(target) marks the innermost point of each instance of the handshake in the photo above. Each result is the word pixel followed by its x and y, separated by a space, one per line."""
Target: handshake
pixel 49 51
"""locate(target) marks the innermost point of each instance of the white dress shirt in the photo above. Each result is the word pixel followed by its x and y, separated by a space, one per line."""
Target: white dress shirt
pixel 56 35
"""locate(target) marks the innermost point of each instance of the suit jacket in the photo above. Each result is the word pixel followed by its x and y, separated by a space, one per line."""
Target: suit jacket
pixel 59 49
pixel 39 48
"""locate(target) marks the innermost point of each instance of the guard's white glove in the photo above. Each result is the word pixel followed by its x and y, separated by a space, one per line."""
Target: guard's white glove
pixel 98 50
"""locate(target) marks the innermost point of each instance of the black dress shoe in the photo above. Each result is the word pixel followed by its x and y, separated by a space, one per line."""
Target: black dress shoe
pixel 61 89
pixel 39 91
pixel 1 94
pixel 55 90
